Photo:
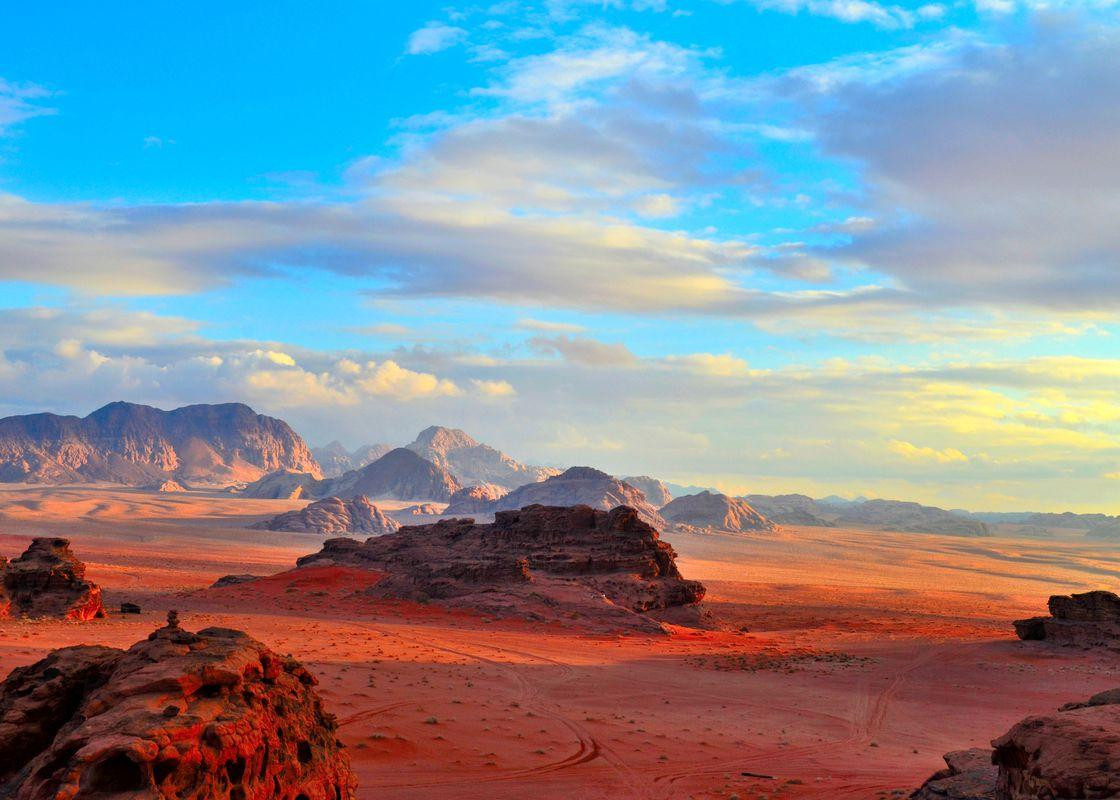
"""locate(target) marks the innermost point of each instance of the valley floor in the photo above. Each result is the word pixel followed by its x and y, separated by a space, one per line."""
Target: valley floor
pixel 854 660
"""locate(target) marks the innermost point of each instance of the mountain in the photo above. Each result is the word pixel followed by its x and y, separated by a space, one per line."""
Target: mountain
pixel 400 474
pixel 894 515
pixel 656 492
pixel 581 486
pixel 716 511
pixel 471 462
pixel 284 484
pixel 138 445
pixel 473 499
pixel 333 516
pixel 335 459
pixel 791 509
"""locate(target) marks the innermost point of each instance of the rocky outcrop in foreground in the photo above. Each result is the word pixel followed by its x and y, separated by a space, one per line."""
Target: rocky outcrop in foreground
pixel 213 715
pixel 48 581
pixel 581 486
pixel 1091 619
pixel 543 562
pixel 333 515
pixel 710 511
pixel 138 445
pixel 474 499
pixel 1073 753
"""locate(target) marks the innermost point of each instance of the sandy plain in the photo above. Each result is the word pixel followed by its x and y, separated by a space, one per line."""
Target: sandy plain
pixel 851 660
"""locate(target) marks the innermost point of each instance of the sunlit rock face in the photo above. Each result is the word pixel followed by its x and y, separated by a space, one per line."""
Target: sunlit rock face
pixel 48 580
pixel 195 716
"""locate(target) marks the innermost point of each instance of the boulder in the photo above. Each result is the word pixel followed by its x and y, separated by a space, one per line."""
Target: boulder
pixel 213 715
pixel 48 581
pixel 540 561
pixel 333 515
pixel 1091 619
pixel 968 775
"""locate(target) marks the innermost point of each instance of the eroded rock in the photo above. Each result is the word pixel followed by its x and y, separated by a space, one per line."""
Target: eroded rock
pixel 1091 619
pixel 333 515
pixel 48 581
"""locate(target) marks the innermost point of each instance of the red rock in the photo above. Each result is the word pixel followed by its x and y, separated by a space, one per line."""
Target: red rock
pixel 1091 619
pixel 191 716
pixel 48 581
pixel 968 775
pixel 540 561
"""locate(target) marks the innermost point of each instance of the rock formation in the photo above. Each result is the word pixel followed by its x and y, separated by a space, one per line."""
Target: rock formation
pixel 790 509
pixel 580 486
pixel 1073 753
pixel 1091 619
pixel 894 515
pixel 422 510
pixel 212 715
pixel 607 567
pixel 137 445
pixel 472 462
pixel 333 515
pixel 284 484
pixel 335 459
pixel 399 474
pixel 165 487
pixel 715 512
pixel 48 581
pixel 656 492
pixel 474 499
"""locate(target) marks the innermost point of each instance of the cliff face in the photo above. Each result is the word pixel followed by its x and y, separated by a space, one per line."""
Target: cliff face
pixel 138 445
pixel 605 567
pixel 48 581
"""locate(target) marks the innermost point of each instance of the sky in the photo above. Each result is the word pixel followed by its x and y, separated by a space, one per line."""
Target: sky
pixel 823 246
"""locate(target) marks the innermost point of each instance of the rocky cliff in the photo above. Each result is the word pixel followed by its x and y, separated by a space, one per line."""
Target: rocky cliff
pixel 1091 619
pixel 604 567
pixel 213 715
pixel 48 581
pixel 138 445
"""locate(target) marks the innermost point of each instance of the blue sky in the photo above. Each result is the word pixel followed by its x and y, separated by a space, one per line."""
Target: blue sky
pixel 771 245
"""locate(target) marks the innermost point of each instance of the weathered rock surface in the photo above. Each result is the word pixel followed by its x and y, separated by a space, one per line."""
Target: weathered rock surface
pixel 895 515
pixel 1073 754
pixel 715 512
pixel 472 462
pixel 165 487
pixel 333 515
pixel 606 567
pixel 790 509
pixel 335 459
pixel 421 510
pixel 580 486
pixel 48 581
pixel 656 492
pixel 968 775
pixel 194 716
pixel 1091 619
pixel 137 445
pixel 283 484
pixel 400 474
pixel 474 499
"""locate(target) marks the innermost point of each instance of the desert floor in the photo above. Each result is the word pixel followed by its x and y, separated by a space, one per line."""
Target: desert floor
pixel 863 656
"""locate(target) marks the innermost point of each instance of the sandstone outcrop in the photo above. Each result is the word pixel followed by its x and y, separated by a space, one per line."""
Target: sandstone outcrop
pixel 213 715
pixel 580 486
pixel 472 462
pixel 656 492
pixel 605 567
pixel 283 484
pixel 710 511
pixel 137 445
pixel 165 487
pixel 1072 754
pixel 1091 619
pixel 474 499
pixel 48 581
pixel 333 515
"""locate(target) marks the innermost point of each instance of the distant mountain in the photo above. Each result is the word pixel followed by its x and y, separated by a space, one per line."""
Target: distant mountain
pixel 581 486
pixel 716 511
pixel 791 509
pixel 400 474
pixel 895 515
pixel 335 459
pixel 471 462
pixel 284 484
pixel 656 492
pixel 140 445
pixel 474 500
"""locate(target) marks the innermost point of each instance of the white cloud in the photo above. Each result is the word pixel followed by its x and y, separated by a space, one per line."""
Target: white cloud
pixel 21 102
pixel 434 37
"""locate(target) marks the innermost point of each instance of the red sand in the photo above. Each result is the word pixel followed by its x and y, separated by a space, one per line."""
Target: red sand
pixel 869 654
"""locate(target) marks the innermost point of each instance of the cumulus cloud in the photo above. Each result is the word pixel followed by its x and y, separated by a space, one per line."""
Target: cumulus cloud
pixel 584 351
pixel 434 37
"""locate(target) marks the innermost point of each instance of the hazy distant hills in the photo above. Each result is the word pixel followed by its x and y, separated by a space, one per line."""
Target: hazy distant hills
pixel 335 459
pixel 472 462
pixel 136 444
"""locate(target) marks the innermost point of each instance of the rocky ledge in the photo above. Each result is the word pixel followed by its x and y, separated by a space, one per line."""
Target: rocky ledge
pixel 1073 753
pixel 545 562
pixel 213 714
pixel 1091 619
pixel 48 581
pixel 333 515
